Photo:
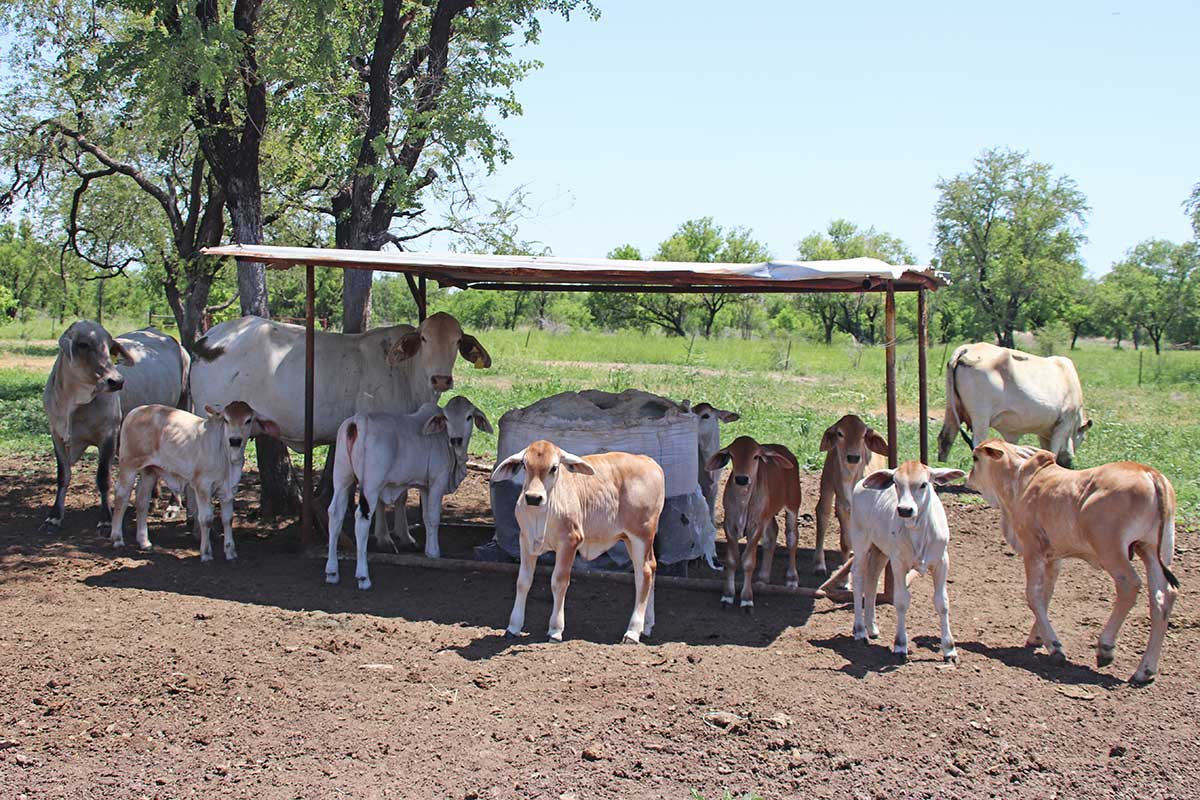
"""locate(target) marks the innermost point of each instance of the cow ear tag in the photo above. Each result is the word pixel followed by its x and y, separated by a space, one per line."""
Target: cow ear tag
pixel 479 363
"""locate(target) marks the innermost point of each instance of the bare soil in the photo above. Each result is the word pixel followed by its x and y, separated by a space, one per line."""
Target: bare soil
pixel 127 675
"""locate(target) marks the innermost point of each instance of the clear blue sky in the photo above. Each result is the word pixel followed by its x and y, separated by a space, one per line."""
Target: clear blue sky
pixel 780 116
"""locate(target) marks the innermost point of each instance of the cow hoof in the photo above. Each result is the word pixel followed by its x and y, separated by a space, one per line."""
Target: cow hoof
pixel 1058 658
pixel 726 603
pixel 748 610
pixel 50 526
pixel 510 635
pixel 820 572
pixel 364 583
pixel 900 656
pixel 118 544
pixel 1142 678
pixel 206 558
pixel 629 638
pixel 950 658
pixel 554 638
pixel 145 547
pixel 103 528
pixel 1104 654
pixel 873 634
pixel 793 583
pixel 332 577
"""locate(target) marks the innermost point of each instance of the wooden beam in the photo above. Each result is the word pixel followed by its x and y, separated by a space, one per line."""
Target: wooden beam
pixel 890 343
pixel 422 300
pixel 306 508
pixel 923 372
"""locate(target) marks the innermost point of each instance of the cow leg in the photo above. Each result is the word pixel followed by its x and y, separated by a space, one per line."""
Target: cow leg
pixel 824 510
pixel 145 492
pixel 731 564
pixel 406 538
pixel 644 566
pixel 842 511
pixel 1035 596
pixel 770 542
pixel 748 558
pixel 876 562
pixel 1162 599
pixel 516 620
pixel 431 511
pixel 941 602
pixel 54 518
pixel 103 467
pixel 901 597
pixel 362 530
pixel 858 581
pixel 337 512
pixel 204 517
pixel 560 579
pixel 1035 633
pixel 125 480
pixel 1127 585
pixel 227 524
pixel 792 535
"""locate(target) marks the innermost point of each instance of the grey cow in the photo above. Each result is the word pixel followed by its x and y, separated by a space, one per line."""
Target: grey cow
pixel 87 396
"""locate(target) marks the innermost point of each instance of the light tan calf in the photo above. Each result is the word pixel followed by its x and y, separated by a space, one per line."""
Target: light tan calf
pixel 764 480
pixel 185 451
pixel 586 505
pixel 853 451
pixel 1102 515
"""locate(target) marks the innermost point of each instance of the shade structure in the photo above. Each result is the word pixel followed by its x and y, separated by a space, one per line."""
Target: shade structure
pixel 476 271
pixel 553 273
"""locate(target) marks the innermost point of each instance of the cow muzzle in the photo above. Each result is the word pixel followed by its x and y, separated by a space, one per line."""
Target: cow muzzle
pixel 741 480
pixel 235 441
pixel 907 512
pixel 442 383
pixel 853 459
pixel 532 499
pixel 456 441
pixel 114 384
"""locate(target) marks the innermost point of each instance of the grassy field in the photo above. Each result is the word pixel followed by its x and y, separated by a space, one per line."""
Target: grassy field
pixel 785 393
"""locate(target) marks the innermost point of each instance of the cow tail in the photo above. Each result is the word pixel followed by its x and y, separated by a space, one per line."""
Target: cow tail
pixel 1165 495
pixel 953 421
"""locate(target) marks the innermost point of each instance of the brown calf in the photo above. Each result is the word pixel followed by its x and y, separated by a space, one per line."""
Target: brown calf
pixel 853 452
pixel 1102 515
pixel 586 505
pixel 764 479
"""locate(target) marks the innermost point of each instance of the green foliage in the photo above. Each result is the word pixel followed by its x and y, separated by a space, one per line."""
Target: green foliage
pixel 1009 232
pixel 1156 288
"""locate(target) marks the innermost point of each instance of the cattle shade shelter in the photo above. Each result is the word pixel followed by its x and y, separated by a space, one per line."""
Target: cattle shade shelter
pixel 552 273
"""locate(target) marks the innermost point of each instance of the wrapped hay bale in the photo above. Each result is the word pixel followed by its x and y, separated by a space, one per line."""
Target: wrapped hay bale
pixel 594 421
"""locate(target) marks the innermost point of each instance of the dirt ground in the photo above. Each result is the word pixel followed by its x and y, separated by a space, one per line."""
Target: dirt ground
pixel 127 675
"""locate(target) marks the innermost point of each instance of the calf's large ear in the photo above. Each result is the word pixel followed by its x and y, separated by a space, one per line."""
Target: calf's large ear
pixel 875 442
pixel 118 353
pixel 829 439
pixel 575 463
pixel 213 410
pixel 881 479
pixel 717 460
pixel 990 450
pixel 435 424
pixel 470 349
pixel 508 467
pixel 728 416
pixel 481 421
pixel 264 427
pixel 775 457
pixel 1085 426
pixel 944 476
pixel 408 346
pixel 64 344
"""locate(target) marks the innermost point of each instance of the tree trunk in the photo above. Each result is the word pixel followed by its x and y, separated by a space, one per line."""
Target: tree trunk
pixel 1074 337
pixel 356 300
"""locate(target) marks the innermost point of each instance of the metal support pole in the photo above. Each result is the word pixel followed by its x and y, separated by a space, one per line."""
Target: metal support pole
pixel 923 371
pixel 890 336
pixel 306 510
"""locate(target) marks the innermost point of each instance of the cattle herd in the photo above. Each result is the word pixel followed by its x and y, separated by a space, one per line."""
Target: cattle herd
pixel 377 401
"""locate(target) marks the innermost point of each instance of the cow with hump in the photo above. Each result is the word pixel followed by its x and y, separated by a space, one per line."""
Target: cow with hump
pixel 388 454
pixel 764 480
pixel 1105 515
pixel 897 517
pixel 1016 393
pixel 203 454
pixel 396 369
pixel 87 395
pixel 585 505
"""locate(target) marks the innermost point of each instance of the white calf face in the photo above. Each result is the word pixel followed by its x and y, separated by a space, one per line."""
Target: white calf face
pixel 913 484
pixel 241 424
pixel 462 417
pixel 708 426
pixel 88 352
